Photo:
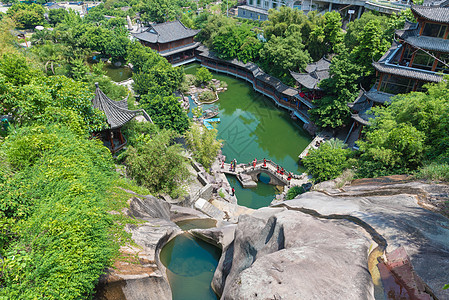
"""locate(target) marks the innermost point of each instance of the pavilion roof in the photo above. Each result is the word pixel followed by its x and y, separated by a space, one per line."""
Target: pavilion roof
pixel 117 113
pixel 315 72
pixel 165 32
pixel 432 13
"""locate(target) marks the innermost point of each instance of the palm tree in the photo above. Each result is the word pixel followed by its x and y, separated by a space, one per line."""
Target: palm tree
pixel 336 143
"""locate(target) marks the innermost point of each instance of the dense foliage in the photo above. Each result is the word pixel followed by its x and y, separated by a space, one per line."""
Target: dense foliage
pixel 328 161
pixel 203 144
pixel 412 130
pixel 53 214
pixel 166 112
pixel 153 75
pixel 158 164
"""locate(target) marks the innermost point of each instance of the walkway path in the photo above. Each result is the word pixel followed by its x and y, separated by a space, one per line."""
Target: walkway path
pixel 247 174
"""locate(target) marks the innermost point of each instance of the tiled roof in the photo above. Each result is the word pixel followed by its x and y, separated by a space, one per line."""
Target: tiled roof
pixel 379 97
pixel 413 38
pixel 429 43
pixel 432 13
pixel 315 72
pixel 407 72
pixel 321 65
pixel 384 66
pixel 165 32
pixel 116 112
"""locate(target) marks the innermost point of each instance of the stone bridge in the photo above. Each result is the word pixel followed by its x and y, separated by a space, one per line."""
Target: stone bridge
pixel 248 174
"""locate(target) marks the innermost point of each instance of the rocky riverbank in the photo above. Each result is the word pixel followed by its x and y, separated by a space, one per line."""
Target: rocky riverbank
pixel 319 245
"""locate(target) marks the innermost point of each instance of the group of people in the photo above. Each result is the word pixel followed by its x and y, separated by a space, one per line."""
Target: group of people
pixel 280 170
pixel 232 165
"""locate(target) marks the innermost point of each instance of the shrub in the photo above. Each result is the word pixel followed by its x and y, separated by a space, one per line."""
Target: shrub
pixel 57 199
pixel 204 144
pixel 327 162
pixel 206 96
pixel 434 171
pixel 294 191
pixel 203 75
pixel 158 164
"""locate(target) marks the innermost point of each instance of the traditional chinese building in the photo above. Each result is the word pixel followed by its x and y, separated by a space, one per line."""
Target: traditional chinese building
pixel 117 115
pixel 172 40
pixel 420 55
pixel 308 82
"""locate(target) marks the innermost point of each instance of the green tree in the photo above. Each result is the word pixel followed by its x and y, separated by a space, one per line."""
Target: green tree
pixel 27 15
pixel 203 75
pixel 166 112
pixel 203 144
pixel 237 42
pixel 158 10
pixel 158 164
pixel 327 162
pixel 392 149
pixel 57 16
pixel 371 46
pixel 280 55
pixel 341 87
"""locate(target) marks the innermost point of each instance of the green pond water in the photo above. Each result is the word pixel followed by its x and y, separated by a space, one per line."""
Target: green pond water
pixel 253 127
pixel 116 74
pixel 190 264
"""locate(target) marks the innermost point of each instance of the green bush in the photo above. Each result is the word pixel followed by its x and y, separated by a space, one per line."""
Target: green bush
pixel 206 96
pixel 203 144
pixel 158 164
pixel 327 162
pixel 294 191
pixel 434 171
pixel 54 205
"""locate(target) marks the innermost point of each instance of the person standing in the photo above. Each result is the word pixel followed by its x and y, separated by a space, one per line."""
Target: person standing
pixel 232 191
pixel 264 163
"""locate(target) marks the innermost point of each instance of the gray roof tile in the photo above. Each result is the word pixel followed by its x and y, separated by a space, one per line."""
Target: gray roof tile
pixel 432 13
pixel 165 32
pixel 116 112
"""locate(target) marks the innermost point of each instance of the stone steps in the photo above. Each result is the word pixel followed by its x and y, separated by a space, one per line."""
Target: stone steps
pixel 208 209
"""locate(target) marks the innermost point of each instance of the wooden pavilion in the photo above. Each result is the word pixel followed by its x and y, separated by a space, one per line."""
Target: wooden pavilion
pixel 117 115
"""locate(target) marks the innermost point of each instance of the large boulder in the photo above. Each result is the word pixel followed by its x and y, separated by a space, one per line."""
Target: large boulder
pixel 138 273
pixel 395 210
pixel 282 254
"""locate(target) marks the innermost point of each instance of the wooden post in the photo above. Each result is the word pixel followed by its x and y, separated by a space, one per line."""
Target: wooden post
pixel 111 140
pixel 380 81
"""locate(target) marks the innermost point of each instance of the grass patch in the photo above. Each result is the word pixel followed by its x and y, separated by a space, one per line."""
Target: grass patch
pixel 434 172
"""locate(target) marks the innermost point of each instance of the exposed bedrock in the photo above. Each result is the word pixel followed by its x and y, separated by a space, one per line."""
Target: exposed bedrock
pixel 316 246
pixel 282 254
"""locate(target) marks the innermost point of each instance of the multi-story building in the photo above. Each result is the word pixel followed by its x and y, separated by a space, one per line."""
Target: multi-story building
pixel 171 40
pixel 419 55
pixel 350 9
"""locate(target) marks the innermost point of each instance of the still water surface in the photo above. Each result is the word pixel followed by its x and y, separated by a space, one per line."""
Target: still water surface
pixel 253 127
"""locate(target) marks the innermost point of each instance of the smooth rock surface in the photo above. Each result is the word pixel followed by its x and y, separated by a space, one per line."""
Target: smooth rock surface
pixel 392 209
pixel 282 254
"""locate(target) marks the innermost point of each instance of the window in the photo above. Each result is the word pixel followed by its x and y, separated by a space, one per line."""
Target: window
pixel 274 5
pixel 423 61
pixel 266 5
pixel 251 2
pixel 244 12
pixel 434 30
pixel 258 2
pixel 396 85
pixel 442 67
